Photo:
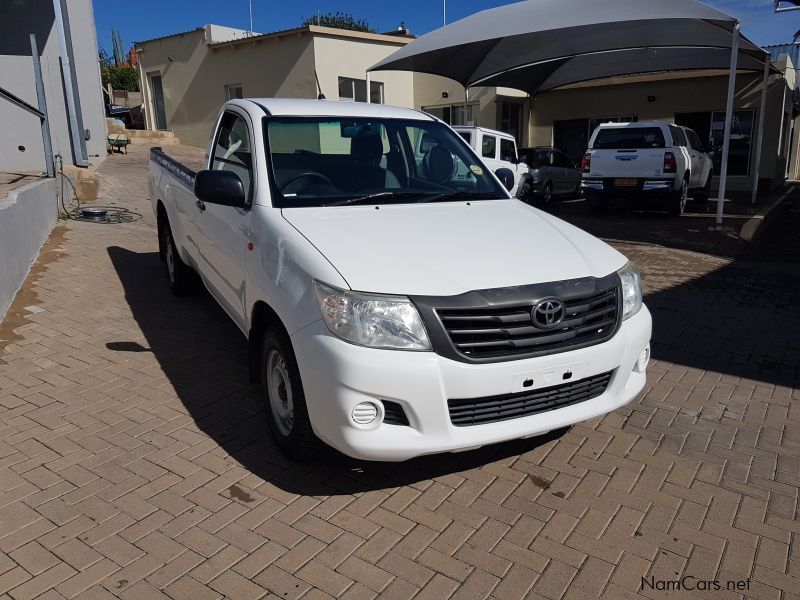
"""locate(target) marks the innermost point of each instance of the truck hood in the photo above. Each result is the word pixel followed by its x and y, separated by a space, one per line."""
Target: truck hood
pixel 450 248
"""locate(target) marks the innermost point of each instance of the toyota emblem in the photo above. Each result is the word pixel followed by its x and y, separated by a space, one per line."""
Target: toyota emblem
pixel 548 313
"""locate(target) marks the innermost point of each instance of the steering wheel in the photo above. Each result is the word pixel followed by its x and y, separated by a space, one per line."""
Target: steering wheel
pixel 309 175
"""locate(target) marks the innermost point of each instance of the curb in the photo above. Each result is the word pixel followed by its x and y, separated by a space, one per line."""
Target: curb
pixel 756 224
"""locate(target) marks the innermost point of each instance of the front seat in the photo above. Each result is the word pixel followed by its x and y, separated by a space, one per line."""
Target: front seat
pixel 366 152
pixel 438 164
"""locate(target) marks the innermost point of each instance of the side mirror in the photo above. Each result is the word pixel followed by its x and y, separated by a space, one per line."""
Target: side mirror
pixel 220 187
pixel 506 177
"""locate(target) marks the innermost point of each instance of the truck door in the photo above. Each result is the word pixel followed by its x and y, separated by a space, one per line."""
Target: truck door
pixel 223 231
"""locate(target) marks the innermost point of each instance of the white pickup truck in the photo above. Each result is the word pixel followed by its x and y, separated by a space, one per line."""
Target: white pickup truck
pixel 655 164
pixel 498 150
pixel 393 309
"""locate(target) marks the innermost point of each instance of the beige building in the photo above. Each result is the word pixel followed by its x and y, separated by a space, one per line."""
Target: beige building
pixel 187 76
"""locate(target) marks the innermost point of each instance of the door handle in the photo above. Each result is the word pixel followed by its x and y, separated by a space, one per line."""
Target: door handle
pixel 200 204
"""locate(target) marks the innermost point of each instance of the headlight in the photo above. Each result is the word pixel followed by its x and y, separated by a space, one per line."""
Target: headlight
pixel 390 322
pixel 631 291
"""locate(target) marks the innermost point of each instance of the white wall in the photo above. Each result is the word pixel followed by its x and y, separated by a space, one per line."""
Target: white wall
pixel 22 129
pixel 27 215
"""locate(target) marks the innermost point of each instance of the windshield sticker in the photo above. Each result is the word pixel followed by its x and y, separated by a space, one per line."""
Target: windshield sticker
pixel 476 169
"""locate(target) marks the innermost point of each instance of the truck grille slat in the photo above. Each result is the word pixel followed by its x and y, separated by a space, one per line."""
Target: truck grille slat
pixel 477 411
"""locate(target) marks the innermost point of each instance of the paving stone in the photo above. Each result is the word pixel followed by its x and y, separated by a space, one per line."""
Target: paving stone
pixel 135 459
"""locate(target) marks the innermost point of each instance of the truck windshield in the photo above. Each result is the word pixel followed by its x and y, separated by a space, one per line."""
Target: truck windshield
pixel 318 161
pixel 629 138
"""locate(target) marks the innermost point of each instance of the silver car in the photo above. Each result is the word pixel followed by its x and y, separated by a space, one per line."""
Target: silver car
pixel 550 174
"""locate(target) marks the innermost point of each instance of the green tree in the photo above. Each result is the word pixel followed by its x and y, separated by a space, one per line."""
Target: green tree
pixel 339 20
pixel 120 78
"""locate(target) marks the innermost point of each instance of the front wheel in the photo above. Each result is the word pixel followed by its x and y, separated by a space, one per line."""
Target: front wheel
pixel 285 400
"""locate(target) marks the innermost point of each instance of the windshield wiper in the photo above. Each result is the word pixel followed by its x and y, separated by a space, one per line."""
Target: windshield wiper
pixel 377 196
pixel 463 195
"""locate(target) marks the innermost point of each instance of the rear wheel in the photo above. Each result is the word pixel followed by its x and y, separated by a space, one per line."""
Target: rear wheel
pixel 677 200
pixel 179 275
pixel 285 400
pixel 524 192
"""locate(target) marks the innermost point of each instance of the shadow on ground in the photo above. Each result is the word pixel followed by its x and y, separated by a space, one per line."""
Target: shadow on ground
pixel 740 320
pixel 204 356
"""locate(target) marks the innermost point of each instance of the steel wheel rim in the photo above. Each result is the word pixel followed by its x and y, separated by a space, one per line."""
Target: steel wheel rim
pixel 279 393
pixel 170 260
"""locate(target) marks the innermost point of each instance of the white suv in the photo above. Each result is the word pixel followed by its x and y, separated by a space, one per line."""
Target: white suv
pixel 656 163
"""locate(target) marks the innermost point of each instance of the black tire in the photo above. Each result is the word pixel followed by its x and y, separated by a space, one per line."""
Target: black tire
pixel 283 389
pixel 524 192
pixel 703 195
pixel 547 193
pixel 676 201
pixel 180 277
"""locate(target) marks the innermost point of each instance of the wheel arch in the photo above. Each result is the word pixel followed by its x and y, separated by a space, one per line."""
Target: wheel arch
pixel 262 317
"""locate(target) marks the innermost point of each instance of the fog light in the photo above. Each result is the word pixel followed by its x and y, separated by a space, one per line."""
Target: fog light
pixel 643 360
pixel 365 413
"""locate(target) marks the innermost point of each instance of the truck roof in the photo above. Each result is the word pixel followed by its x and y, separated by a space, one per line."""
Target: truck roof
pixel 633 124
pixel 303 107
pixel 484 129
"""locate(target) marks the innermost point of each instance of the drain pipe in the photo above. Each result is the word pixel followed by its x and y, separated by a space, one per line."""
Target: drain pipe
pixel 70 87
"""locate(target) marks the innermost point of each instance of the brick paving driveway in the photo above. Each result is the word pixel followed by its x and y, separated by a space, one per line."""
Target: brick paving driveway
pixel 135 460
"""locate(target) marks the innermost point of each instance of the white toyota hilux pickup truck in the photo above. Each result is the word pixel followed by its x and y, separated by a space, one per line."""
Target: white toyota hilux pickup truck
pixel 652 164
pixel 393 309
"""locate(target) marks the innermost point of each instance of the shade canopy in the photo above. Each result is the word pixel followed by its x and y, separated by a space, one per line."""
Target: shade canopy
pixel 539 45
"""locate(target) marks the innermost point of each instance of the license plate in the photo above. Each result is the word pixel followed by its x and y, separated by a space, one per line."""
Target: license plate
pixel 626 181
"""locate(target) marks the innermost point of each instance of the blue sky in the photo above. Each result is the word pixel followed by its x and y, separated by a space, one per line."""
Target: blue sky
pixel 146 19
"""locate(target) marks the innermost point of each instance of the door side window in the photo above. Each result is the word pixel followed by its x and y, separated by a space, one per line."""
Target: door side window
pixel 508 150
pixel 489 146
pixel 232 151
pixel 694 140
pixel 678 138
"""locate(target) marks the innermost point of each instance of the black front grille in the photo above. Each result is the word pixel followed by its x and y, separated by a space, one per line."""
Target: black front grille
pixel 393 413
pixel 477 411
pixel 494 331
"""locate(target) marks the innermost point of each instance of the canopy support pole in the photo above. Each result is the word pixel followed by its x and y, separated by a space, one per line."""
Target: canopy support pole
pixel 466 105
pixel 726 139
pixel 761 116
pixel 368 88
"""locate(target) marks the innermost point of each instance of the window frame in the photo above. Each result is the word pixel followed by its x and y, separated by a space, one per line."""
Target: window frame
pixel 495 149
pixel 374 86
pixel 250 193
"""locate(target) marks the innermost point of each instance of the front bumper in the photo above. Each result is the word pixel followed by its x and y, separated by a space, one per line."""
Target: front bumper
pixel 337 376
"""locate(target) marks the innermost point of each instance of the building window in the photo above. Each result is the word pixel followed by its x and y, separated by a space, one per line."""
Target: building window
pixel 710 128
pixel 355 90
pixel 233 91
pixel 453 114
